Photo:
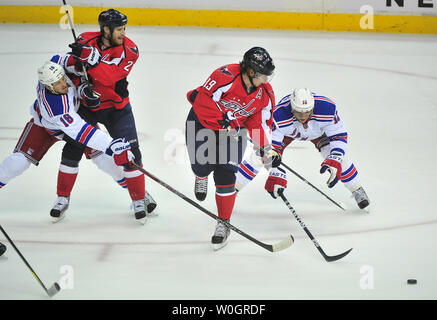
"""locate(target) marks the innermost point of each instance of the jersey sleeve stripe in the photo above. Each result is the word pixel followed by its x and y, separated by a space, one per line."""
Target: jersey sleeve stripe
pixel 277 144
pixel 324 99
pixel 45 103
pixel 85 134
pixel 65 103
pixel 338 150
pixel 339 137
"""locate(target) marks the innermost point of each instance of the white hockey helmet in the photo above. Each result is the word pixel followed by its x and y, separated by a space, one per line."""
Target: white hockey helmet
pixel 50 73
pixel 302 100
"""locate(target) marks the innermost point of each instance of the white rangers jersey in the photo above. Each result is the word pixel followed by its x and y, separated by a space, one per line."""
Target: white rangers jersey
pixel 324 120
pixel 57 114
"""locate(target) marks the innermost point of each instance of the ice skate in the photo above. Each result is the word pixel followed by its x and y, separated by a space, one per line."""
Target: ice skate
pixel 220 237
pixel 361 197
pixel 139 207
pixel 58 211
pixel 150 203
pixel 201 188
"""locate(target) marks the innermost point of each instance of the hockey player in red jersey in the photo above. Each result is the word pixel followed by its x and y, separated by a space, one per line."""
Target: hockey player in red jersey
pixel 236 99
pixel 109 56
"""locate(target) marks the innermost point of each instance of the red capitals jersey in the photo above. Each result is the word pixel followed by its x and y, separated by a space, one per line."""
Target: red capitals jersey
pixel 224 91
pixel 109 76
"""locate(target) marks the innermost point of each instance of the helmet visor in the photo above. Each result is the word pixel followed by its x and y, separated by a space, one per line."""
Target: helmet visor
pixel 264 77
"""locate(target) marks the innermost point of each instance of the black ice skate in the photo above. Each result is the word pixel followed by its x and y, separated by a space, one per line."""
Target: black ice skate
pixel 361 198
pixel 201 188
pixel 139 207
pixel 220 237
pixel 150 203
pixel 58 211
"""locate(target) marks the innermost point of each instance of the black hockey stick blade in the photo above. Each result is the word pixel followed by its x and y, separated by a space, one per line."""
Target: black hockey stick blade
pixel 310 235
pixel 337 257
pixel 281 245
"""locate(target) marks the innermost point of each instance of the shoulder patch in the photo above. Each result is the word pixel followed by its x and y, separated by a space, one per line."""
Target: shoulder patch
pixel 133 49
pixel 226 71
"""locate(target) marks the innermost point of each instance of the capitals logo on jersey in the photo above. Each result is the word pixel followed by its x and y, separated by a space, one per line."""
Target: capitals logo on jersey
pixel 237 108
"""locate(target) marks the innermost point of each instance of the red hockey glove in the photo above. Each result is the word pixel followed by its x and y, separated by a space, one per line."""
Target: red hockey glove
pixel 86 54
pixel 122 153
pixel 276 182
pixel 332 163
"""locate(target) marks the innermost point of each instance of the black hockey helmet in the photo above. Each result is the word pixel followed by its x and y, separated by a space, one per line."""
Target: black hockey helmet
pixel 112 18
pixel 259 60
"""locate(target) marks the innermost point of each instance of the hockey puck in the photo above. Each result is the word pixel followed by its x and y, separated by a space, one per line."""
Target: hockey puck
pixel 2 249
pixel 412 281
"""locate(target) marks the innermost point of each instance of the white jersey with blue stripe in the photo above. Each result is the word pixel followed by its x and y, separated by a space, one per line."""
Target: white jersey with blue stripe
pixel 57 113
pixel 324 120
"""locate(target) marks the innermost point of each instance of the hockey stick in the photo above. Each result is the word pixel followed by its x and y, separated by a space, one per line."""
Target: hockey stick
pixel 283 244
pixel 300 177
pixel 310 184
pixel 327 258
pixel 54 289
pixel 75 39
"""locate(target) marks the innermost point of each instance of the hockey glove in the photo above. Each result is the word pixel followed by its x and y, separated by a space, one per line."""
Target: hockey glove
pixel 92 98
pixel 86 54
pixel 270 156
pixel 226 122
pixel 332 163
pixel 121 150
pixel 276 182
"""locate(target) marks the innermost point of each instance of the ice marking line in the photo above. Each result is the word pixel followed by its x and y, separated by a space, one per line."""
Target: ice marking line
pixel 205 242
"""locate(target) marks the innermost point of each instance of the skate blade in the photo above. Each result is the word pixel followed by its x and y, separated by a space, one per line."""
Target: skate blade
pixel 142 220
pixel 218 246
pixel 57 219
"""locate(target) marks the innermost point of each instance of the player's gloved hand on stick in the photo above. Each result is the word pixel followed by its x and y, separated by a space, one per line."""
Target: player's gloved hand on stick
pixel 86 54
pixel 225 123
pixel 92 98
pixel 270 156
pixel 332 163
pixel 122 152
pixel 276 182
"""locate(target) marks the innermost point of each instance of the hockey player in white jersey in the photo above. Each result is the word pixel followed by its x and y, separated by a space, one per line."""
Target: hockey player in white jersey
pixel 305 116
pixel 54 116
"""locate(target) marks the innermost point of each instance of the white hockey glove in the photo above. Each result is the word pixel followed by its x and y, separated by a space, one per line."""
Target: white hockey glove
pixel 122 152
pixel 276 182
pixel 332 163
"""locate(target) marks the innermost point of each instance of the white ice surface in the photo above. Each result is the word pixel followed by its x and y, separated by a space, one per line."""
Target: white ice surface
pixel 384 86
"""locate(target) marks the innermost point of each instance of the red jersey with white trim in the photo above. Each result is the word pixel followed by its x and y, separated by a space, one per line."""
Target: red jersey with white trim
pixel 225 91
pixel 109 76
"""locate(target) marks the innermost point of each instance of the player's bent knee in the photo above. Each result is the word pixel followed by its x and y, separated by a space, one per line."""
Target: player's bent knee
pixel 14 165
